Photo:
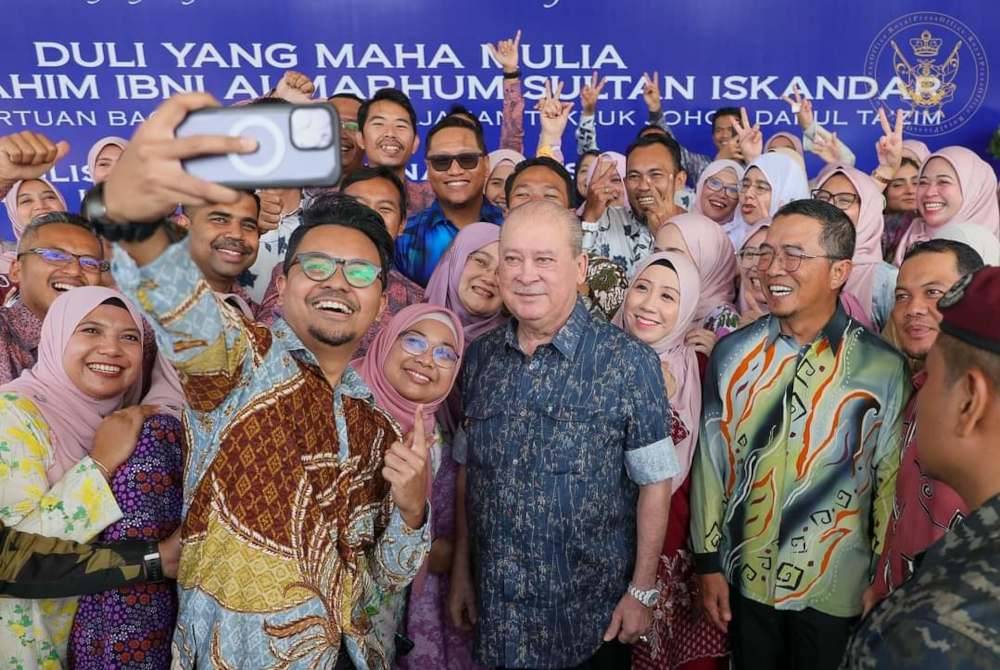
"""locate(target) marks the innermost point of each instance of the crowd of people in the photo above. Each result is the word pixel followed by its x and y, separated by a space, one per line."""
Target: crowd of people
pixel 671 411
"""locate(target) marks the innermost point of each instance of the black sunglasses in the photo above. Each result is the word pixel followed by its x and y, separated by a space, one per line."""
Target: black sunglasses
pixel 465 161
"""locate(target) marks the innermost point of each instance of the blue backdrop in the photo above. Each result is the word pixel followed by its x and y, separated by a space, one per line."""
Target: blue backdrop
pixel 82 69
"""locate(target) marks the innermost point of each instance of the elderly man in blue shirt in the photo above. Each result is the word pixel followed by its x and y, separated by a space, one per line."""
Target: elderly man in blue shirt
pixel 565 484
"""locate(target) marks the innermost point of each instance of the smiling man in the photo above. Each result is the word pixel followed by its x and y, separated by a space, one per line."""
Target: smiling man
pixel 795 471
pixel 56 253
pixel 925 508
pixel 457 170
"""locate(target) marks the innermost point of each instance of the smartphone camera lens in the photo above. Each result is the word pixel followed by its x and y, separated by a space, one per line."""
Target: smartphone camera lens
pixel 311 128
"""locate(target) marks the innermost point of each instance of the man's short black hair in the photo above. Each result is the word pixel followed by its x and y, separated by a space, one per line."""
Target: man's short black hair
pixel 735 112
pixel 380 172
pixel 837 236
pixel 652 129
pixel 49 219
pixel 186 209
pixel 463 112
pixel 545 162
pixel 666 141
pixel 334 209
pixel 268 100
pixel 455 122
pixel 346 96
pixel 393 95
pixel 967 259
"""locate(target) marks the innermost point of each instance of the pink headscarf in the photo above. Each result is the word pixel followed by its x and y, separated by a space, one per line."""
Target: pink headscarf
pixel 916 150
pixel 714 256
pixel 442 287
pixel 620 163
pixel 979 197
pixel 796 142
pixel 72 416
pixel 680 358
pixel 372 366
pixel 501 156
pixel 10 202
pixel 742 301
pixel 99 146
pixel 868 233
pixel 712 169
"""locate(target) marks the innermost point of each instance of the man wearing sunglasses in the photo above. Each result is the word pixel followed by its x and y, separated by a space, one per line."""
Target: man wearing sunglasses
pixel 304 504
pixel 457 170
pixel 795 471
pixel 57 252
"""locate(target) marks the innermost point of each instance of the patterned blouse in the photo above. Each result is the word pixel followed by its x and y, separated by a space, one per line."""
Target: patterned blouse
pixel 34 633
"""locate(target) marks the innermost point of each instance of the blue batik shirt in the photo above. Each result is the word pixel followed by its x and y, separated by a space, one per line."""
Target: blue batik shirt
pixel 557 445
pixel 427 235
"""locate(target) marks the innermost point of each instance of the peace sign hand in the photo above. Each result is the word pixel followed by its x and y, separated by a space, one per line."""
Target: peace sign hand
pixel 801 107
pixel 507 52
pixel 591 92
pixel 749 139
pixel 827 147
pixel 406 469
pixel 651 92
pixel 889 148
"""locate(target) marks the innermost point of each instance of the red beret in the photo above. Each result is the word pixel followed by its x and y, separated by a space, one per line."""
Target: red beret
pixel 969 309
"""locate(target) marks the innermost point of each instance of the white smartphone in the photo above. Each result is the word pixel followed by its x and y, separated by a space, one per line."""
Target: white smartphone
pixel 297 145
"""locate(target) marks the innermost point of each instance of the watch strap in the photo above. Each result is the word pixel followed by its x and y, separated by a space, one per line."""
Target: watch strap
pixel 647 598
pixel 95 211
pixel 152 564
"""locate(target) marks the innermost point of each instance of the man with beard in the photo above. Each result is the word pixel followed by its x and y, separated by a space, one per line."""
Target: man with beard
pixel 925 509
pixel 303 504
pixel 224 240
pixel 456 158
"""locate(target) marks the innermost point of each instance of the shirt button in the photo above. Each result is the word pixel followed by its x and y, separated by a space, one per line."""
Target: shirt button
pixel 523 413
pixel 514 462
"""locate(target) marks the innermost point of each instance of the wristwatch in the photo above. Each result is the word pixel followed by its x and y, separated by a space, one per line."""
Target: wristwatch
pixel 647 598
pixel 95 211
pixel 151 562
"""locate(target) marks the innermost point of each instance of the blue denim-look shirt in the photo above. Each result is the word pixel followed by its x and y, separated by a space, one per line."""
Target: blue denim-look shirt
pixel 557 445
pixel 427 235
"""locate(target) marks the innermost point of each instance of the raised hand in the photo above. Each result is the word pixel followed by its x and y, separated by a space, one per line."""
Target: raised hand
pixel 827 147
pixel 270 210
pixel 889 147
pixel 149 181
pixel 651 92
pixel 406 470
pixel 295 87
pixel 507 52
pixel 749 139
pixel 28 155
pixel 554 114
pixel 590 93
pixel 701 340
pixel 801 107
pixel 600 190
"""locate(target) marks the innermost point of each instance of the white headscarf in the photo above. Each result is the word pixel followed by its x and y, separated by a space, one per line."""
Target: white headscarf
pixel 788 182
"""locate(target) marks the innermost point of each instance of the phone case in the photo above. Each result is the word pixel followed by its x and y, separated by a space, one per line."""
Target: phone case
pixel 287 156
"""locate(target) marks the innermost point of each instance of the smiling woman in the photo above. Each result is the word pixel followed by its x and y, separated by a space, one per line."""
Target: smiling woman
pixel 54 472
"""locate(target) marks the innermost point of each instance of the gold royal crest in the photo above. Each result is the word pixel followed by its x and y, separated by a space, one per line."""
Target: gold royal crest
pixel 926 83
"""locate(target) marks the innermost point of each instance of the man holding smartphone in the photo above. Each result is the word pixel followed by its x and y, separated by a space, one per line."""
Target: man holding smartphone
pixel 297 519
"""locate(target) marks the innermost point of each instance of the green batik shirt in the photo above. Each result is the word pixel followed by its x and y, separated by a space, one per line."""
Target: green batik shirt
pixel 795 472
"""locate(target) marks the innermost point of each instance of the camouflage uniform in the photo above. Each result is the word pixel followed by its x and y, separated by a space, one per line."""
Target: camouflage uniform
pixel 948 615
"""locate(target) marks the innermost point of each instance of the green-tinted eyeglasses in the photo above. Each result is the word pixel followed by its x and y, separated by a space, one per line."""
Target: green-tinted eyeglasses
pixel 320 267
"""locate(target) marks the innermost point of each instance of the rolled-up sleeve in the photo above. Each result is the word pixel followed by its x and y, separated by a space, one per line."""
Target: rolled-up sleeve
pixel 650 456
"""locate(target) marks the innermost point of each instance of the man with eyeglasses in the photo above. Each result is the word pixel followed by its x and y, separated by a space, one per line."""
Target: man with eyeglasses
pixel 795 472
pixel 304 505
pixel 57 252
pixel 457 170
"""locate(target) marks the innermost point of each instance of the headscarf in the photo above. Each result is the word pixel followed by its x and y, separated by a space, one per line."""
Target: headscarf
pixel 788 182
pixel 712 169
pixel 620 163
pixel 681 359
pixel 977 237
pixel 868 233
pixel 442 287
pixel 916 150
pixel 979 197
pixel 10 202
pixel 796 142
pixel 501 156
pixel 715 259
pixel 99 146
pixel 73 417
pixel 372 366
pixel 742 301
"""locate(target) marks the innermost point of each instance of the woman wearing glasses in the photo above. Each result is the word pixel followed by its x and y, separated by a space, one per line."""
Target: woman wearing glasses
pixel 411 368
pixel 770 181
pixel 718 191
pixel 872 280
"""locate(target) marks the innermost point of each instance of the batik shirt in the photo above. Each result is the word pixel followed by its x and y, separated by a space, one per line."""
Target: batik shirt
pixel 290 535
pixel 270 253
pixel 619 237
pixel 20 331
pixel 427 236
pixel 795 471
pixel 557 445
pixel 948 615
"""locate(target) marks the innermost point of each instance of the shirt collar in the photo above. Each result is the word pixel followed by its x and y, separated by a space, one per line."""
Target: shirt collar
pixel 566 339
pixel 351 383
pixel 833 331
